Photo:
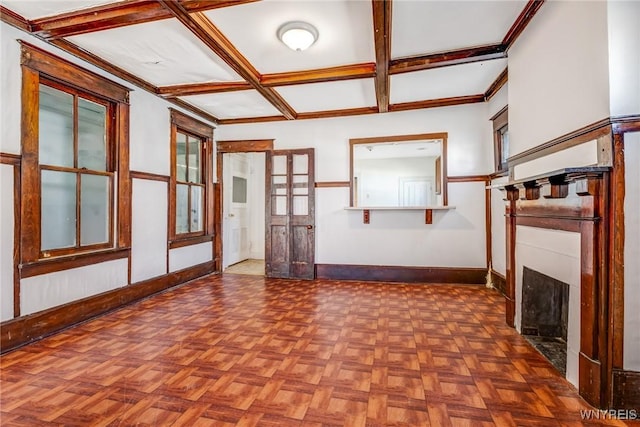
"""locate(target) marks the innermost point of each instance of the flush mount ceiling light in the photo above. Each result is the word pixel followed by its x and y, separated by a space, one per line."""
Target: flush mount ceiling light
pixel 298 35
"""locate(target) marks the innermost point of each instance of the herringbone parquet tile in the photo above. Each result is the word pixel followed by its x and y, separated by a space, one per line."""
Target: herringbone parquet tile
pixel 248 351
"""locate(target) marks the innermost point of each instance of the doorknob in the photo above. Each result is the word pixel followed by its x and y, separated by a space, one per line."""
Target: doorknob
pixel 309 227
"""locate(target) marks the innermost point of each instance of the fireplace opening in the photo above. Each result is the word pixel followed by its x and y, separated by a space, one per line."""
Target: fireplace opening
pixel 545 316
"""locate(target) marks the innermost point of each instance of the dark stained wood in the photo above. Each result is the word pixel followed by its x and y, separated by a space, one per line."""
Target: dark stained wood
pixel 366 216
pixel 201 88
pixel 53 265
pixel 180 243
pixel 197 111
pixel 217 213
pixel 149 176
pixel 381 273
pixel 116 15
pixel 590 132
pixel 382 42
pixel 332 74
pixel 434 103
pixel 191 124
pixel 428 216
pixel 203 28
pixel 124 208
pixel 551 223
pixel 332 184
pixel 244 145
pixel 589 374
pixel 532 191
pixel 468 178
pixel 17 233
pixel 510 237
pixel 626 389
pixel 22 330
pixel 521 22
pixel 337 113
pixel 499 281
pixel 497 84
pixel 445 59
pixel 10 159
pixel 12 18
pixel 245 120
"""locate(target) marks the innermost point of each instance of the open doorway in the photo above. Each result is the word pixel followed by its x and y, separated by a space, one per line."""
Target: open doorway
pixel 243 213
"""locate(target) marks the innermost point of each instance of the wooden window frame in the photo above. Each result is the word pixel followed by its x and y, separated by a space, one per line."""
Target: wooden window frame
pixel 185 124
pixel 41 67
pixel 500 121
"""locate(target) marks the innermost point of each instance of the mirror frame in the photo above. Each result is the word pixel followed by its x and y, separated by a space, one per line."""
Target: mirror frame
pixel 403 138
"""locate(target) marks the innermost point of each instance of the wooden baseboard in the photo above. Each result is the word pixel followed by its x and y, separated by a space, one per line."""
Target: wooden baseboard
pixel 23 330
pixel 381 273
pixel 499 282
pixel 626 389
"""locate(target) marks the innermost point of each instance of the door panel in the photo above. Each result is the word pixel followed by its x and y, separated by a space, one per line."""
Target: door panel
pixel 236 208
pixel 290 214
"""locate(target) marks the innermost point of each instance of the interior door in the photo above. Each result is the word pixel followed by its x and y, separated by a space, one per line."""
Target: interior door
pixel 290 214
pixel 236 206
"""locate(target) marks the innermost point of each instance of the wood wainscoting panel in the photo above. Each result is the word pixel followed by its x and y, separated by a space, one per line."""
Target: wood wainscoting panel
pixel 387 273
pixel 626 390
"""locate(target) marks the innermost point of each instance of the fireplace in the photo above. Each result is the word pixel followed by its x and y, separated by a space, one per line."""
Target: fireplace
pixel 545 315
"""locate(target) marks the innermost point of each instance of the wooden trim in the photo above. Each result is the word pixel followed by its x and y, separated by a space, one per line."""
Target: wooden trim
pixel 53 265
pixel 332 184
pixel 17 236
pixel 149 176
pixel 521 22
pixel 435 103
pixel 188 241
pixel 550 222
pixel 60 69
pixel 626 390
pixel 191 124
pixel 244 145
pixel 13 19
pixel 616 249
pixel 587 133
pixel 381 273
pixel 124 208
pixel 488 223
pixel 23 330
pixel 195 110
pixel 399 138
pixel 468 178
pixel 10 159
pixel 382 45
pixel 360 111
pixel 623 124
pixel 497 84
pixel 499 281
pixel 331 74
pixel 446 59
pixel 498 121
pixel 202 88
pixel 116 15
pixel 510 237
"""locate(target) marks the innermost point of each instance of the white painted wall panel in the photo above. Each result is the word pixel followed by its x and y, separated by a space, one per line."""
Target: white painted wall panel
pixel 631 355
pixel 6 242
pixel 149 230
pixel 10 90
pixel 455 239
pixel 498 229
pixel 585 154
pixel 149 138
pixel 624 57
pixel 181 258
pixel 50 290
pixel 558 73
pixel 498 102
pixel 556 254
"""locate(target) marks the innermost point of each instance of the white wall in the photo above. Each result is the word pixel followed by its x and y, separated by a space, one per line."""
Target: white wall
pixel 558 73
pixel 624 57
pixel 149 152
pixel 455 239
pixel 498 229
pixel 256 204
pixel 632 252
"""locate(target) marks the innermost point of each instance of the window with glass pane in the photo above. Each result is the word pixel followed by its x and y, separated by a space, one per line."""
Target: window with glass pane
pixel 76 179
pixel 501 140
pixel 190 187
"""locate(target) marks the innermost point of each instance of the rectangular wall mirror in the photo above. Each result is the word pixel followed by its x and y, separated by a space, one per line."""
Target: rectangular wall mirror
pixel 399 171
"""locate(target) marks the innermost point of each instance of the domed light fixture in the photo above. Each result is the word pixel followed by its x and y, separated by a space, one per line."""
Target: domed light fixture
pixel 298 35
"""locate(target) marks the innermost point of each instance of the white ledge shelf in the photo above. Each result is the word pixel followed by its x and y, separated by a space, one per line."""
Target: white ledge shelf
pixel 428 211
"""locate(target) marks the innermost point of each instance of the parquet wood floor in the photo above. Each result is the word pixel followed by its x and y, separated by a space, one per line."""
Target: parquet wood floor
pixel 236 350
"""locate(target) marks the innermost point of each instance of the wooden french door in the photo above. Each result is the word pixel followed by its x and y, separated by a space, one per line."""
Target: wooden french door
pixel 290 214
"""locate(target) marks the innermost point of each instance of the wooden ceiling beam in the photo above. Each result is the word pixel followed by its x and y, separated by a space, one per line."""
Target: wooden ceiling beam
pixel 345 72
pixel 445 59
pixel 202 88
pixel 382 40
pixel 116 15
pixel 521 22
pixel 497 84
pixel 211 36
pixel 440 102
pixel 12 18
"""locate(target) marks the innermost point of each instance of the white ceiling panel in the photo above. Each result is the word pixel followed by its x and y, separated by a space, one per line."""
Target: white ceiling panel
pixel 162 53
pixel 233 105
pixel 330 96
pixel 345 33
pixel 421 27
pixel 33 9
pixel 446 82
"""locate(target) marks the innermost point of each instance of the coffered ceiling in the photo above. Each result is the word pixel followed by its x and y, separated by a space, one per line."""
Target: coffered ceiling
pixel 223 59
